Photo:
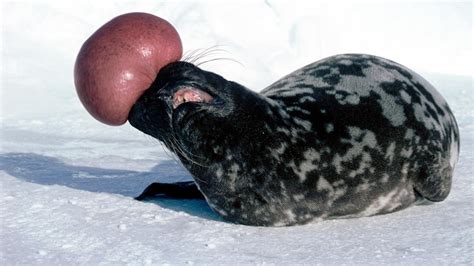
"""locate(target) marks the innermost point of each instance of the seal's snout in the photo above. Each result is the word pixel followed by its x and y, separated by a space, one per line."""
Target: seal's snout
pixel 139 118
pixel 148 122
pixel 135 117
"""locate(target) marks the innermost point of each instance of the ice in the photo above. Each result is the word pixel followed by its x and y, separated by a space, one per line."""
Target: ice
pixel 68 182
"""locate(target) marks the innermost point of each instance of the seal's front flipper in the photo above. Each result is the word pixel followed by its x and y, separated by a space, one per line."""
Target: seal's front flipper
pixel 180 190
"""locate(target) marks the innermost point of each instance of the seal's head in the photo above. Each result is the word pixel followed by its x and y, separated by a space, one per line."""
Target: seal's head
pixel 196 113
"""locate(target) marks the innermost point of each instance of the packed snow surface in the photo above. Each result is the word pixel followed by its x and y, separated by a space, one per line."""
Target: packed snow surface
pixel 68 182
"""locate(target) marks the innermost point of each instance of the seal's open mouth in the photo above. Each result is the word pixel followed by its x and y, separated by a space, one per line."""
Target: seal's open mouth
pixel 190 94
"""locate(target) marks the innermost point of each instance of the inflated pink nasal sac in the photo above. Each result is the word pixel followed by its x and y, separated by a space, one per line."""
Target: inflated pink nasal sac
pixel 120 61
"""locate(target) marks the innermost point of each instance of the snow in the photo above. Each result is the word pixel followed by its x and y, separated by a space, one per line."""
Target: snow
pixel 67 182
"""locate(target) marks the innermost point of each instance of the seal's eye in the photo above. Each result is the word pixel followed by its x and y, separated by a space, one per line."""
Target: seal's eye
pixel 190 94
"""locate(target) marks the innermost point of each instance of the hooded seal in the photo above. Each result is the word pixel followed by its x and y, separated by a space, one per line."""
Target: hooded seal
pixel 347 136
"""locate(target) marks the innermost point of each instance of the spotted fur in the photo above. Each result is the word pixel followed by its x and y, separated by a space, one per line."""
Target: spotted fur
pixel 348 136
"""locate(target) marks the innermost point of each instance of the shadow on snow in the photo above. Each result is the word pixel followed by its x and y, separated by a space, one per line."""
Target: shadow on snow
pixel 47 170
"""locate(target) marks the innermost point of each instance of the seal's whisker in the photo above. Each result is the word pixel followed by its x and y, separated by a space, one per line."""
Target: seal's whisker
pixel 207 55
pixel 168 152
pixel 174 149
pixel 167 149
pixel 212 48
pixel 181 150
pixel 210 51
pixel 165 146
pixel 188 56
pixel 220 58
pixel 185 152
pixel 195 55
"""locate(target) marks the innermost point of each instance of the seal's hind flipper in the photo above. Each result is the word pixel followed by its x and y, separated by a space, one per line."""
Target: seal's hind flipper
pixel 434 184
pixel 179 190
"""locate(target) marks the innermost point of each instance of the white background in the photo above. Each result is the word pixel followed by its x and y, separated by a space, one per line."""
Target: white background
pixel 67 180
pixel 269 38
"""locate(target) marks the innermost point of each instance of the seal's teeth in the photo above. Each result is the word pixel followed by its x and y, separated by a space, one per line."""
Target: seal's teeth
pixel 189 94
pixel 177 100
